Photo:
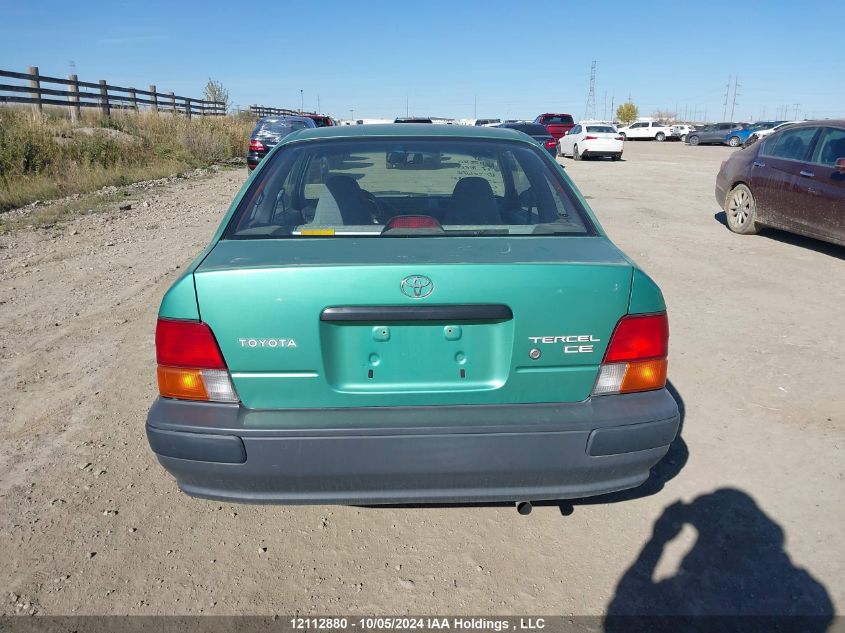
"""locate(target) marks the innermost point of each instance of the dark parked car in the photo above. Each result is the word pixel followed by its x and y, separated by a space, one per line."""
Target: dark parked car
pixel 792 180
pixel 712 133
pixel 269 131
pixel 537 132
pixel 413 119
pixel 556 124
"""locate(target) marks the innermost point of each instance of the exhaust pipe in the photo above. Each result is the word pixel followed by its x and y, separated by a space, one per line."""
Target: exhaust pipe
pixel 524 507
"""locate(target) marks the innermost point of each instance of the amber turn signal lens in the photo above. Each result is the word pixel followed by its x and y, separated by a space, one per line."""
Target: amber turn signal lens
pixel 644 376
pixel 182 383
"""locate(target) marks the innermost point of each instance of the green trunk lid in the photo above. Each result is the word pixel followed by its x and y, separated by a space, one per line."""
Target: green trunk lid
pixel 267 301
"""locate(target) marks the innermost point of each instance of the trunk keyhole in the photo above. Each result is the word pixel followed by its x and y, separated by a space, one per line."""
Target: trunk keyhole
pixel 370 373
pixel 463 373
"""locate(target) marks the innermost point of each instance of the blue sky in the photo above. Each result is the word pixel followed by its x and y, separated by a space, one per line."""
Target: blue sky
pixel 444 57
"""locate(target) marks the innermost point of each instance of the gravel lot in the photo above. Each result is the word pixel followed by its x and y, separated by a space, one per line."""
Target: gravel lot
pixel 743 516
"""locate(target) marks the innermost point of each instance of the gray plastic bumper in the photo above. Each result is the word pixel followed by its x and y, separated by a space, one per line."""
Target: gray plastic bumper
pixel 413 454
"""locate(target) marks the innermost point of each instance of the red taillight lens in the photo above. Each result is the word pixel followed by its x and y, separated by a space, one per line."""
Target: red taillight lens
pixel 590 138
pixel 620 138
pixel 412 222
pixel 187 344
pixel 190 365
pixel 639 337
pixel 636 356
pixel 550 144
pixel 256 146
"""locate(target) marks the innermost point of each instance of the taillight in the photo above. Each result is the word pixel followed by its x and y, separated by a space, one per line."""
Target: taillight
pixel 256 146
pixel 190 365
pixel 412 222
pixel 550 144
pixel 590 138
pixel 620 138
pixel 636 358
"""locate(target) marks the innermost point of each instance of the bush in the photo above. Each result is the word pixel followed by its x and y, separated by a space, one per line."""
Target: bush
pixel 50 157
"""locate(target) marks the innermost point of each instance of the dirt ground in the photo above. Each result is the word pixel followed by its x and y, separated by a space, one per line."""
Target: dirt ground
pixel 744 515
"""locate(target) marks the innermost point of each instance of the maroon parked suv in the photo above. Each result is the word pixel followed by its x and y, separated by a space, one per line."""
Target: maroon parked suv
pixel 792 180
pixel 557 124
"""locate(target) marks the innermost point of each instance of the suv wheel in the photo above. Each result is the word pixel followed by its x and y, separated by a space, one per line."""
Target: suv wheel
pixel 741 211
pixel 693 140
pixel 660 137
pixel 734 141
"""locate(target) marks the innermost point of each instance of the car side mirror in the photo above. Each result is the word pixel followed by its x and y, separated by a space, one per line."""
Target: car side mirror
pixel 840 165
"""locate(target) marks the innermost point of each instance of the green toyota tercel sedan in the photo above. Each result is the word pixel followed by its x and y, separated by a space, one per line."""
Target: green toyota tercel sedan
pixel 410 313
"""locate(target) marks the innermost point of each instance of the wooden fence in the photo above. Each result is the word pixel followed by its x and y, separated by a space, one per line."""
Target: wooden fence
pixel 83 94
pixel 261 111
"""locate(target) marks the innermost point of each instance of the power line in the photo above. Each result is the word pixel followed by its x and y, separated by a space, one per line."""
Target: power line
pixel 590 108
pixel 733 105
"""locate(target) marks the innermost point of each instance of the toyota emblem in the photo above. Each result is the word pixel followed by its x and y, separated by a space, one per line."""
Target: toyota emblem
pixel 416 286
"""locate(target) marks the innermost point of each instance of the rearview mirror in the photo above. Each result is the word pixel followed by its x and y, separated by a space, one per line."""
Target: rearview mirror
pixel 840 165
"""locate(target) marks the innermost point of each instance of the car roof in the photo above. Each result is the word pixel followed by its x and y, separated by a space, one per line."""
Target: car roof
pixel 406 130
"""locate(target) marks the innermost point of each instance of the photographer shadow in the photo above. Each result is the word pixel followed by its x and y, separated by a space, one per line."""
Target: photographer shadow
pixel 737 566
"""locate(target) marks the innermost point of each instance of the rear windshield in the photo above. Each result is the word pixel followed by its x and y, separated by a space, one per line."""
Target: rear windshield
pixel 321 121
pixel 532 129
pixel 405 187
pixel 605 129
pixel 564 119
pixel 277 129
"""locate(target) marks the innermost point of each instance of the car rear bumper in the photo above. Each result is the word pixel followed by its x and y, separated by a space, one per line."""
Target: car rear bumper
pixel 382 455
pixel 253 158
pixel 603 147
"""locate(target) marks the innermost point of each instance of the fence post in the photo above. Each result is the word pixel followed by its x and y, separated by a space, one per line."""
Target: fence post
pixel 133 98
pixel 172 101
pixel 35 93
pixel 104 98
pixel 154 98
pixel 74 99
pixel 187 107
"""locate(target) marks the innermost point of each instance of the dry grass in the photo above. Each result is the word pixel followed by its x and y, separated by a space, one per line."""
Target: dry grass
pixel 50 157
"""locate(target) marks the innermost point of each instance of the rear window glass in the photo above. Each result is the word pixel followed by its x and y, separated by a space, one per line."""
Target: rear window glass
pixel 405 187
pixel 604 129
pixel 563 119
pixel 790 144
pixel 277 129
pixel 532 129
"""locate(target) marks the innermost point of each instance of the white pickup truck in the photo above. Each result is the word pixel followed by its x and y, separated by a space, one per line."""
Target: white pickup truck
pixel 647 130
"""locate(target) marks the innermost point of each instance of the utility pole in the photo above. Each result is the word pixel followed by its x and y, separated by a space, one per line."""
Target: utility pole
pixel 604 112
pixel 725 105
pixel 352 114
pixel 612 111
pixel 733 105
pixel 301 101
pixel 590 108
pixel 318 105
pixel 797 105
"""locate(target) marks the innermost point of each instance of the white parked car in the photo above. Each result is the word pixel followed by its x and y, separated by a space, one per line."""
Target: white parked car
pixel 681 130
pixel 756 135
pixel 587 140
pixel 647 130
